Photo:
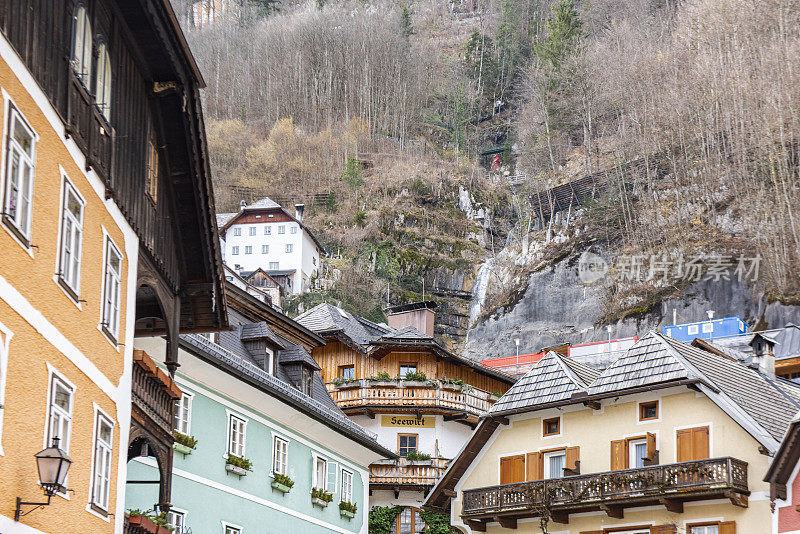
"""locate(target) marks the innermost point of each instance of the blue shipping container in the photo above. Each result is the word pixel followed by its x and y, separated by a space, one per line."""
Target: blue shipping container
pixel 709 329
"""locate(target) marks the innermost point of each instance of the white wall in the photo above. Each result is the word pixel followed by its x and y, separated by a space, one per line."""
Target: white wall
pixel 451 434
pixel 302 258
pixel 406 498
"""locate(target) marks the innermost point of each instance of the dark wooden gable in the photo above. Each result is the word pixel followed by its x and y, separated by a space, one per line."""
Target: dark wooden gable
pixel 155 92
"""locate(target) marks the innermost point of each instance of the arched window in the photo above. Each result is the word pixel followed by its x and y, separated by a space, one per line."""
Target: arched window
pixel 102 84
pixel 82 45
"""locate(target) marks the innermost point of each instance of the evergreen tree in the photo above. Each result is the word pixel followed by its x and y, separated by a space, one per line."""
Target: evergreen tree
pixel 564 34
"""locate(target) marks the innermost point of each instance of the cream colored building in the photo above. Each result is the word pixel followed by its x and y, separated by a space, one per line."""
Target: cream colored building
pixel 668 439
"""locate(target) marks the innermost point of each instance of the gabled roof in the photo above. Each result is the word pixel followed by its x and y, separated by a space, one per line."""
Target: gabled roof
pixel 263 203
pixel 785 461
pixel 408 333
pixel 787 341
pixel 763 405
pixel 223 218
pixel 328 319
pixel 298 354
pixel 550 380
pixel 261 330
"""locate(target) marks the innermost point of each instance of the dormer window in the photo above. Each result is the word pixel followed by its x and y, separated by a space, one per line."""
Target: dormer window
pixel 269 361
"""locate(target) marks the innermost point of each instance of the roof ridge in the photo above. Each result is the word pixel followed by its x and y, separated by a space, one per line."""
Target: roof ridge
pixel 567 369
pixel 690 367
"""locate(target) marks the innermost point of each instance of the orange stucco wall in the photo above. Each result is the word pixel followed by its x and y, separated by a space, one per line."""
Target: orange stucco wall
pixel 31 348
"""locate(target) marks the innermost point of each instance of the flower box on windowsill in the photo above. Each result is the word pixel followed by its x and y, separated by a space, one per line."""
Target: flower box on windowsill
pixel 148 525
pixel 349 384
pixel 316 501
pixel 383 383
pixel 415 384
pixel 280 487
pixel 236 470
pixel 181 448
pixel 346 513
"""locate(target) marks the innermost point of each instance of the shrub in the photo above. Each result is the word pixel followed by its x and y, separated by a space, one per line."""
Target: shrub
pixel 321 494
pixel 348 506
pixel 416 376
pixel 383 375
pixel 416 456
pixel 238 461
pixel 183 439
pixel 283 479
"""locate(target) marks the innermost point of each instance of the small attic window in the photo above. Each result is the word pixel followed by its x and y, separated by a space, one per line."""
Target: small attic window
pixel 269 361
pixel 307 378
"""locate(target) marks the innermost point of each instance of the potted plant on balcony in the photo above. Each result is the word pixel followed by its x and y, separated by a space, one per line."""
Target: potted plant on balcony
pixel 155 524
pixel 418 458
pixel 416 379
pixel 320 497
pixel 238 465
pixel 184 444
pixel 347 509
pixel 345 383
pixel 282 483
pixel 383 379
pixel 453 385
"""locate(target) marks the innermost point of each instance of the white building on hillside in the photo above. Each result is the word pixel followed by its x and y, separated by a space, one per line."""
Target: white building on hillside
pixel 265 236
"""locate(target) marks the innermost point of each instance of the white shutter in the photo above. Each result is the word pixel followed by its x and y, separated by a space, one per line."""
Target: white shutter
pixel 314 481
pixel 332 471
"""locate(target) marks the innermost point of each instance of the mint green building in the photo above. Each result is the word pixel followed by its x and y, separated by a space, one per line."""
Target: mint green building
pixel 255 393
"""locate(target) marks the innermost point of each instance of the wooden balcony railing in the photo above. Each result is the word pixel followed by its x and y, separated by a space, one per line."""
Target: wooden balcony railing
pixel 389 474
pixel 671 484
pixel 153 390
pixel 432 394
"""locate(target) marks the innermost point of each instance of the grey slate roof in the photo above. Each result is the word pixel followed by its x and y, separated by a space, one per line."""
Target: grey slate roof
pixel 408 333
pixel 223 218
pixel 549 380
pixel 264 203
pixel 298 354
pixel 787 341
pixel 585 373
pixel 324 318
pixel 261 330
pixel 327 411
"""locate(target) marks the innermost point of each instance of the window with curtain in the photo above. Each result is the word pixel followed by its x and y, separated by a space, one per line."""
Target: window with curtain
pixel 111 290
pixel 236 436
pixel 408 521
pixel 71 238
pixel 82 45
pixel 554 463
pixel 183 414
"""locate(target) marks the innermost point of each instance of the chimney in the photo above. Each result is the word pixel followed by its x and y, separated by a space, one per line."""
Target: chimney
pixel 763 357
pixel 242 205
pixel 420 315
pixel 298 211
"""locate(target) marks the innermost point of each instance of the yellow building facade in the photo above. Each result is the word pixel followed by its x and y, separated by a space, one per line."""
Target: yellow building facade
pixel 62 373
pixel 624 451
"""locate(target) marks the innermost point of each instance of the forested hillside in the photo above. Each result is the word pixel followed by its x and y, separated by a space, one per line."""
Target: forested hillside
pixel 685 114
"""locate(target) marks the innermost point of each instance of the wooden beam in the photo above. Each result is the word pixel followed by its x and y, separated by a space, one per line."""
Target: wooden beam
pixel 593 404
pixel 477 526
pixel 560 517
pixel 455 416
pixel 502 420
pixel 506 522
pixel 449 493
pixel 737 499
pixel 617 512
pixel 369 413
pixel 672 505
pixel 396 492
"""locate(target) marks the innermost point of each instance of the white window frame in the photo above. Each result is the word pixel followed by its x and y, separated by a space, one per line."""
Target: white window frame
pixel 546 474
pixel 23 193
pixel 276 265
pixel 330 473
pixel 234 251
pixel 280 455
pixel 81 60
pixel 237 230
pixel 704 529
pixel 347 485
pixel 111 292
pixel 692 329
pixel 289 248
pixel 293 229
pixel 75 238
pixel 102 80
pixel 633 459
pixel 269 360
pixel 248 249
pixel 252 230
pixel 230 528
pixel 265 249
pixel 281 228
pixel 243 434
pixel 5 343
pixel 183 412
pixel 54 378
pixel 708 328
pixel 175 512
pixel 268 229
pixel 101 463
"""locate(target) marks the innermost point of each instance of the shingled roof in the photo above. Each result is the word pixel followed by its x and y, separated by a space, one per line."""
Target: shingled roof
pixel 328 319
pixel 551 379
pixel 763 405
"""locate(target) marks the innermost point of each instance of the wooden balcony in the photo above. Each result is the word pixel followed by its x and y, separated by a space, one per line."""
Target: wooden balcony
pixel 669 485
pixel 463 403
pixel 405 475
pixel 154 392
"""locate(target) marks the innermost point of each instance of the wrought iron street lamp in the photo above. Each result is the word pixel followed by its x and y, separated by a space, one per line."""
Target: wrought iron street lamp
pixel 53 466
